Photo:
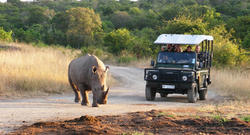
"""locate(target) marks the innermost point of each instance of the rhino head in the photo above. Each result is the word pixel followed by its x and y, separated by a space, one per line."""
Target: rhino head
pixel 98 83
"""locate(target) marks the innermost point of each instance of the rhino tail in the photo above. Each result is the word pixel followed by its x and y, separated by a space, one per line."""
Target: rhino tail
pixel 73 86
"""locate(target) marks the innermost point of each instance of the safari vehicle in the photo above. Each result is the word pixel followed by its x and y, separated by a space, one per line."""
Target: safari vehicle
pixel 182 72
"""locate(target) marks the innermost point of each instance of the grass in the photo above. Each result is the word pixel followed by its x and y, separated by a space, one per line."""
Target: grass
pixel 33 70
pixel 246 118
pixel 220 119
pixel 166 114
pixel 232 83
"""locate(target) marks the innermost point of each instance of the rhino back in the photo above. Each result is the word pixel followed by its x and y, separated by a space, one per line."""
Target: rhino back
pixel 80 69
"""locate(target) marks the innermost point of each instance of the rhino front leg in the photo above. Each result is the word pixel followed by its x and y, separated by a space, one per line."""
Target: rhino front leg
pixel 84 93
pixel 94 104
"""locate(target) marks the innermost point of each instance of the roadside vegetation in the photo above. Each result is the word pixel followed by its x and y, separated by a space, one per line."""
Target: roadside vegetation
pixel 233 83
pixel 31 71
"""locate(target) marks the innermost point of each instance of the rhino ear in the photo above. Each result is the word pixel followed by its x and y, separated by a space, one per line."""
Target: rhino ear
pixel 94 69
pixel 107 69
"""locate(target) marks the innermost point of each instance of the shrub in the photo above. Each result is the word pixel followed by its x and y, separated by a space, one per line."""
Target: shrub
pixel 5 36
pixel 118 40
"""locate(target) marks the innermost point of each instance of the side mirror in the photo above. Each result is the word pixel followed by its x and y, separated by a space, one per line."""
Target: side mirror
pixel 152 63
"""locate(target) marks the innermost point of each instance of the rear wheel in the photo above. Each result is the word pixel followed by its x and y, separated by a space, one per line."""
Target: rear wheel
pixel 192 94
pixel 203 94
pixel 163 95
pixel 149 93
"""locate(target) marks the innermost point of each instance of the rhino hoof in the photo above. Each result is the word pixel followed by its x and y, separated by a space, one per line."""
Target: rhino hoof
pixel 95 105
pixel 85 104
pixel 77 100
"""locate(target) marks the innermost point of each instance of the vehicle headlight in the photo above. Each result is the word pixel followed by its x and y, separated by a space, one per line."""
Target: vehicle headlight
pixel 184 78
pixel 155 77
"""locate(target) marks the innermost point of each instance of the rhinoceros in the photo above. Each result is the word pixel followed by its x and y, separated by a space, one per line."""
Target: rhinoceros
pixel 88 73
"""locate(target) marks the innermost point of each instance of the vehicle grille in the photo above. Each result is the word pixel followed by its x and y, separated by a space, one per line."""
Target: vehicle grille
pixel 169 76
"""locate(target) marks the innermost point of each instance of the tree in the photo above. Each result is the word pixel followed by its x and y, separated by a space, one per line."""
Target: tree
pixel 118 40
pixel 121 19
pixel 82 25
pixel 183 25
pixel 246 41
pixel 241 25
pixel 38 15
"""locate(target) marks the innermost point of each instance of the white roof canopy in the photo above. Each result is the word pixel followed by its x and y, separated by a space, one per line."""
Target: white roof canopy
pixel 182 39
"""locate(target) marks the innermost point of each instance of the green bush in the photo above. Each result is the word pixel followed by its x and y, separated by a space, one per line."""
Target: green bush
pixel 226 53
pixel 92 50
pixel 118 40
pixel 5 36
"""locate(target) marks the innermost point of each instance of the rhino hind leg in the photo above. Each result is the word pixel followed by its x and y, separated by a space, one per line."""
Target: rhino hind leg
pixel 76 91
pixel 77 96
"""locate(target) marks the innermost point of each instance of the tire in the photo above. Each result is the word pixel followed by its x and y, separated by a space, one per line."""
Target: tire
pixel 163 95
pixel 149 93
pixel 203 94
pixel 192 94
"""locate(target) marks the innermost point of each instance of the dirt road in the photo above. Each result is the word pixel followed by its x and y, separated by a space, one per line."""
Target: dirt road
pixel 128 96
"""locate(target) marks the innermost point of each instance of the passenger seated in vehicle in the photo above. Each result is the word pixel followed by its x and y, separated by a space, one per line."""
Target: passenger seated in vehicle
pixel 164 48
pixel 197 49
pixel 189 49
pixel 170 48
pixel 177 48
pixel 200 61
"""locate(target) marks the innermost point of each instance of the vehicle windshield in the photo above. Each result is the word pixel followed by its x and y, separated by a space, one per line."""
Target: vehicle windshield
pixel 176 58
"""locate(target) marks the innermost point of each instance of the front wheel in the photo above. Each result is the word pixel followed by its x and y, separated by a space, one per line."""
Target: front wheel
pixel 149 93
pixel 203 94
pixel 192 94
pixel 163 95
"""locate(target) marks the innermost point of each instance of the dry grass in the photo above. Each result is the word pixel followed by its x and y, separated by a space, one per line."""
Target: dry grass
pixel 26 69
pixel 233 83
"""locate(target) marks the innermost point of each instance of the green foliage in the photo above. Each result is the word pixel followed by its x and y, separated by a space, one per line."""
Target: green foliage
pixel 225 51
pixel 241 25
pixel 33 34
pixel 92 50
pixel 142 48
pixel 121 19
pixel 129 28
pixel 5 36
pixel 183 25
pixel 82 25
pixel 246 41
pixel 118 40
pixel 220 119
pixel 246 118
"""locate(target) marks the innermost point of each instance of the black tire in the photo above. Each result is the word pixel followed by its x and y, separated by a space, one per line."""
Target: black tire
pixel 163 95
pixel 149 93
pixel 203 94
pixel 192 94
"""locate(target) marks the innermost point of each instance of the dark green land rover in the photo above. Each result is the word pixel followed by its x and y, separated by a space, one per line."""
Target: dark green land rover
pixel 182 72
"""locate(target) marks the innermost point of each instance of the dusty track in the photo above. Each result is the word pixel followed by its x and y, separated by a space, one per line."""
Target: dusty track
pixel 128 96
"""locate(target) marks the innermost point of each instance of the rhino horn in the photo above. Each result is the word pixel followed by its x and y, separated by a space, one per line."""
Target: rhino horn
pixel 106 93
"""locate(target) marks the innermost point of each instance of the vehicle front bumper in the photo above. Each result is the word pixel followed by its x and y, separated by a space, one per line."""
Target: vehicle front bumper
pixel 180 87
